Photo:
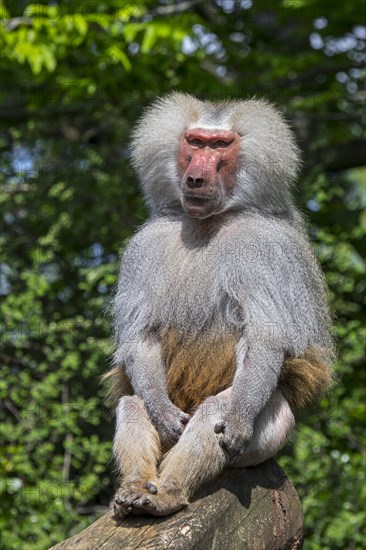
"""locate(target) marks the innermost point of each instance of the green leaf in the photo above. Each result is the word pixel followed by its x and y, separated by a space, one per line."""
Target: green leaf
pixel 118 55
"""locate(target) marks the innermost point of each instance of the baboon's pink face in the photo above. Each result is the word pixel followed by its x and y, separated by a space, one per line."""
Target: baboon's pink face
pixel 207 164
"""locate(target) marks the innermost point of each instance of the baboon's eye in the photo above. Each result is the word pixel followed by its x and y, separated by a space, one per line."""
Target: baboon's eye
pixel 196 142
pixel 220 143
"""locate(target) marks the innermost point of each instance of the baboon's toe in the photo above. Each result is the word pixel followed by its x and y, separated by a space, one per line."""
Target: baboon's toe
pixel 126 496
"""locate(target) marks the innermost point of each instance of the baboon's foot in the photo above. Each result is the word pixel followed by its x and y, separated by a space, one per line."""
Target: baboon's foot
pixel 162 503
pixel 128 493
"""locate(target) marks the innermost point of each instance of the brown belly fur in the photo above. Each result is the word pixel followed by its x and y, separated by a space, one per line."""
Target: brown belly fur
pixel 197 369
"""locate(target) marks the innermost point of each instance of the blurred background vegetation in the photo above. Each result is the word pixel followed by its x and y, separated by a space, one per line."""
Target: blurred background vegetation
pixel 76 75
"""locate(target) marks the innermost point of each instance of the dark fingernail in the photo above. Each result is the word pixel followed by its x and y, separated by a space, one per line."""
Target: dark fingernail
pixel 219 427
pixel 151 487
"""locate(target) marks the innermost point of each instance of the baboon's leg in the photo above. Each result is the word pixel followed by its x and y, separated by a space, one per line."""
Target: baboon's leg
pixel 198 457
pixel 136 449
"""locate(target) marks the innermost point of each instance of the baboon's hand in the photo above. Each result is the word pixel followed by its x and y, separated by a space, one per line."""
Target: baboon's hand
pixel 234 434
pixel 170 423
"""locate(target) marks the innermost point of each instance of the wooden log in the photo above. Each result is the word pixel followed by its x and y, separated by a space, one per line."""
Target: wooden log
pixel 254 509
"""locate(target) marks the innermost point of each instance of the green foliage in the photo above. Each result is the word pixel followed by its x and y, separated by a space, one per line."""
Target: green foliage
pixel 75 77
